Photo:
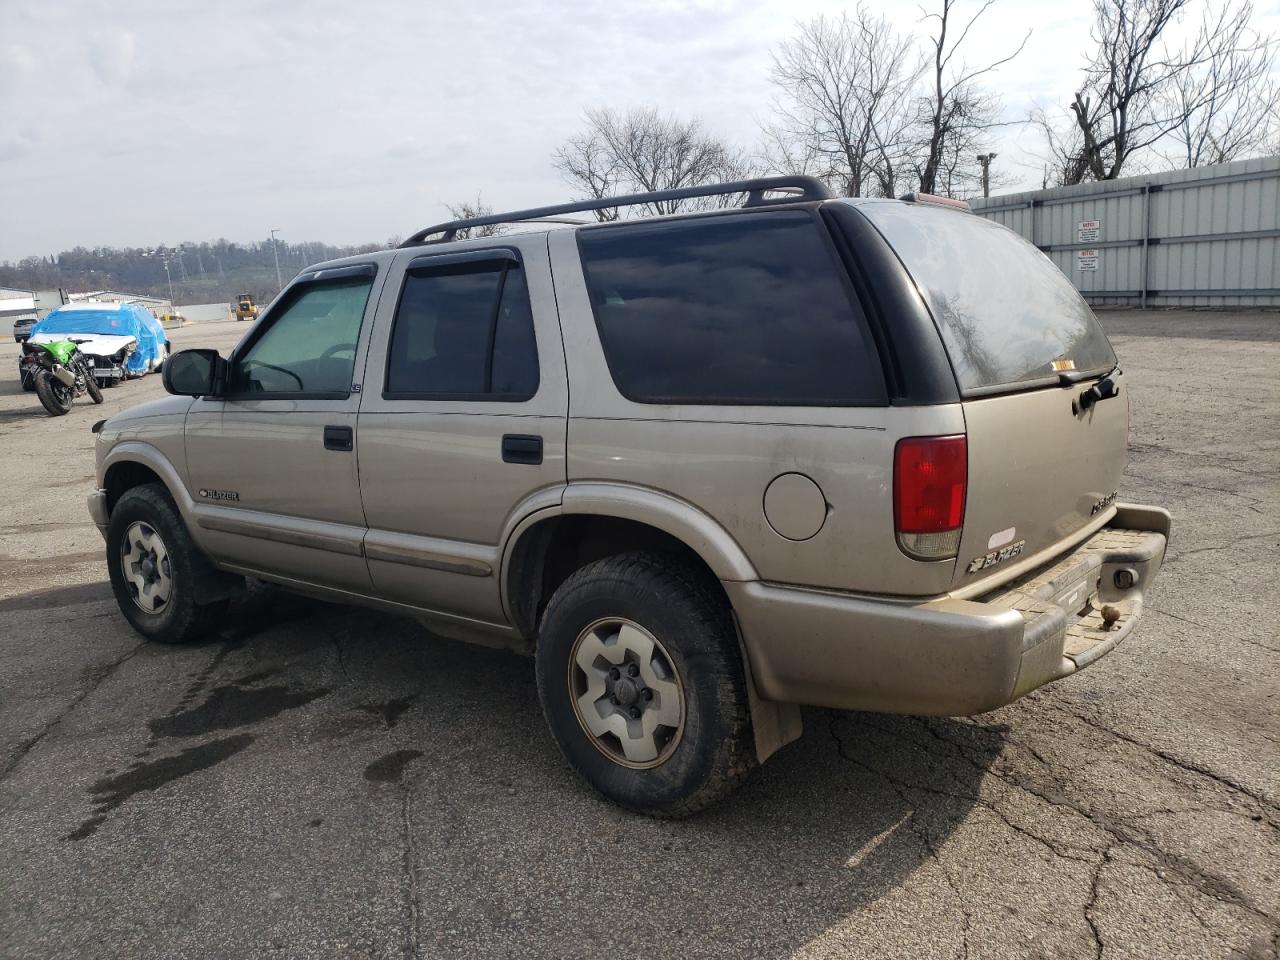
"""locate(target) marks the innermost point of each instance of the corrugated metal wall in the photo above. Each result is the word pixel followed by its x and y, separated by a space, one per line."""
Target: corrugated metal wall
pixel 1208 237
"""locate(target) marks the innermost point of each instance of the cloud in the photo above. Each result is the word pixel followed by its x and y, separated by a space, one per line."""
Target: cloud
pixel 16 62
pixel 112 55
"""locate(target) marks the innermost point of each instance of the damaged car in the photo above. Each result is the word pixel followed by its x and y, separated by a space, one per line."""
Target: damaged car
pixel 120 340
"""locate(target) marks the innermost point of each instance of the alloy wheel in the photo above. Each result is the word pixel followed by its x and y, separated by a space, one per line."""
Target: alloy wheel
pixel 626 693
pixel 146 567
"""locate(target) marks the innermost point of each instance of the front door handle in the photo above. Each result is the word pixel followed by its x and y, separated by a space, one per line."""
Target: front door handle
pixel 339 438
pixel 520 448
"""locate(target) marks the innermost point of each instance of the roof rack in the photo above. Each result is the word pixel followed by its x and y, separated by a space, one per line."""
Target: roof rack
pixel 936 200
pixel 800 188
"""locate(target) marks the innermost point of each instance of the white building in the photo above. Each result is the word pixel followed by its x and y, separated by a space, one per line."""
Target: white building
pixel 15 304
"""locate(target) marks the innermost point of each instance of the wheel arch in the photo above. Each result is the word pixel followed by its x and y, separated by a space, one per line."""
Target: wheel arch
pixel 131 464
pixel 597 520
pixel 602 519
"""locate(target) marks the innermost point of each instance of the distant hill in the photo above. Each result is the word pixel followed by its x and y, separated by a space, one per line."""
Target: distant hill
pixel 209 272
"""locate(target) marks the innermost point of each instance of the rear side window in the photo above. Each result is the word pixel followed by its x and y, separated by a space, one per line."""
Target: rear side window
pixel 739 309
pixel 1006 314
pixel 463 331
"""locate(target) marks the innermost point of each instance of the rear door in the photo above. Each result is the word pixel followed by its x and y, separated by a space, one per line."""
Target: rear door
pixel 1024 346
pixel 462 423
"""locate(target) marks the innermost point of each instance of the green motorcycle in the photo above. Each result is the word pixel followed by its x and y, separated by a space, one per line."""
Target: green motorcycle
pixel 58 372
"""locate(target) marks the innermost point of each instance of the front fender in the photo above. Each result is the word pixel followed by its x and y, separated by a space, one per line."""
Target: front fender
pixel 145 454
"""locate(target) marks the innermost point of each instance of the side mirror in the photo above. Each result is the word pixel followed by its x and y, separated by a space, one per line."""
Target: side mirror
pixel 194 373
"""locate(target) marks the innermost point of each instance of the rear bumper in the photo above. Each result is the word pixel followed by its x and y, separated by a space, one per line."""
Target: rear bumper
pixel 952 657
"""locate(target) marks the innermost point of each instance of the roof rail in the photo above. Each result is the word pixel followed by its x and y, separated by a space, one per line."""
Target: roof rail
pixel 802 188
pixel 936 200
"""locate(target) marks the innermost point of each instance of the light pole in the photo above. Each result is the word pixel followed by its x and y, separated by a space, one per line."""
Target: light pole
pixel 276 253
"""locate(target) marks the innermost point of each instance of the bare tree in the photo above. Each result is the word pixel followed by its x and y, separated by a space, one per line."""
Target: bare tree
pixel 844 107
pixel 1224 106
pixel 955 110
pixel 1139 89
pixel 1065 163
pixel 642 150
pixel 470 209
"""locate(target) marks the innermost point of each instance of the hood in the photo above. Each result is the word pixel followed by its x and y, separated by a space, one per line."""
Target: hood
pixel 99 345
pixel 162 407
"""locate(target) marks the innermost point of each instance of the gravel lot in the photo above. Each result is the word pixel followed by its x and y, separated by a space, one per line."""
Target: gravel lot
pixel 338 783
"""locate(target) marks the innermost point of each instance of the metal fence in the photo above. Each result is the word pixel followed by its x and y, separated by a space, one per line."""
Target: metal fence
pixel 1208 237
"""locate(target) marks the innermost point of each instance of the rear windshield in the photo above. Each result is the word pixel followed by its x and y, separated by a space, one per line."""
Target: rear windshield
pixel 1007 315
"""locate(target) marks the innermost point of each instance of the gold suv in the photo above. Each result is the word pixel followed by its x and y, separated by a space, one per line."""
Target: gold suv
pixel 859 454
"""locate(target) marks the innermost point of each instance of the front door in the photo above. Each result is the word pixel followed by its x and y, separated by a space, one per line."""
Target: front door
pixel 463 421
pixel 271 465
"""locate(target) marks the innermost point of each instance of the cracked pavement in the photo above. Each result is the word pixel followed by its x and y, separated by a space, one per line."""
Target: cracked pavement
pixel 340 783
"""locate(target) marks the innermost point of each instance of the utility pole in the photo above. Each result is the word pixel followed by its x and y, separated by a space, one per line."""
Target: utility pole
pixel 275 250
pixel 173 304
pixel 985 159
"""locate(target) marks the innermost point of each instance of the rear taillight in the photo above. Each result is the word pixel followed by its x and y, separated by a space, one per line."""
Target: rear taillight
pixel 929 478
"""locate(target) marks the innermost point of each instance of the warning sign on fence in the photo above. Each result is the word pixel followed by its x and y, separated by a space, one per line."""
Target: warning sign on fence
pixel 1088 231
pixel 1086 259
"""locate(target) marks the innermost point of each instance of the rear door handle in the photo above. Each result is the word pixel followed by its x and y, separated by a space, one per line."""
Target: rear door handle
pixel 339 438
pixel 521 448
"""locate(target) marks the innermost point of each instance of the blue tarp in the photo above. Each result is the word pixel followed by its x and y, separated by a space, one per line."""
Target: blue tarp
pixel 128 321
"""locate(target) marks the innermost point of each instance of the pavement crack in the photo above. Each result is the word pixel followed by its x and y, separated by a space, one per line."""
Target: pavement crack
pixel 1099 947
pixel 340 653
pixel 412 947
pixel 1187 765
pixel 98 678
pixel 921 830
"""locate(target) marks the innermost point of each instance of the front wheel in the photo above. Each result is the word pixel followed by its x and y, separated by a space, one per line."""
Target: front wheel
pixel 157 570
pixel 54 395
pixel 91 385
pixel 641 682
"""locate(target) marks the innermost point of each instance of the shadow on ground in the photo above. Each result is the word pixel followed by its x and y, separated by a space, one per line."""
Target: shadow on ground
pixel 503 845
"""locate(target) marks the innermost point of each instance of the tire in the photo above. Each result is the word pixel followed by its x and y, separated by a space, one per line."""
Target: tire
pixel 91 386
pixel 661 599
pixel 143 515
pixel 54 397
pixel 27 380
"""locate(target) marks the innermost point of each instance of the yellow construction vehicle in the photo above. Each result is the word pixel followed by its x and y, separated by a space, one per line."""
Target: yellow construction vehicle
pixel 245 308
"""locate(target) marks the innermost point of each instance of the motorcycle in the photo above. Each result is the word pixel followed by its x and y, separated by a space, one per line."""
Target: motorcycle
pixel 58 372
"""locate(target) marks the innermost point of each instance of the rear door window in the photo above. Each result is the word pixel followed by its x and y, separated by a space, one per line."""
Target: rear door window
pixel 736 309
pixel 463 331
pixel 1006 314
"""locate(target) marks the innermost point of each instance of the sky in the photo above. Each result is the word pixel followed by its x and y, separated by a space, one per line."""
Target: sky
pixel 139 123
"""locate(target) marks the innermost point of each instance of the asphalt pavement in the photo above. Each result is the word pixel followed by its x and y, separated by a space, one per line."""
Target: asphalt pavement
pixel 323 781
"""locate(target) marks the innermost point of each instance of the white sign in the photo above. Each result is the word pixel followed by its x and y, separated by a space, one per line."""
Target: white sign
pixel 1088 231
pixel 1087 259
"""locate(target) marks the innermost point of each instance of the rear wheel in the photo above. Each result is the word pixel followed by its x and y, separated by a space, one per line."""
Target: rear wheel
pixel 157 572
pixel 54 395
pixel 641 681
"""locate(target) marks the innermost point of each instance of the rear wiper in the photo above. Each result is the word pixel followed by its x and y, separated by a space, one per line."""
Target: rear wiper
pixel 1104 389
pixel 1070 377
